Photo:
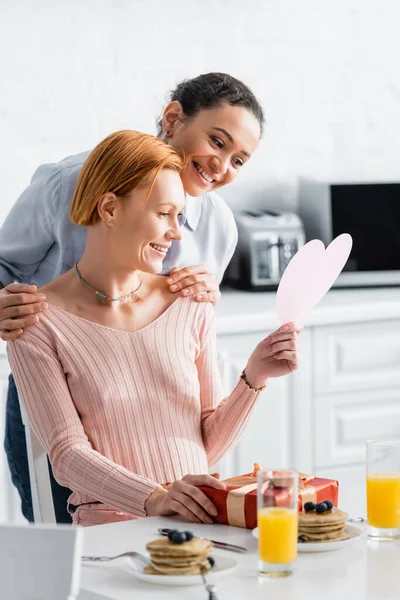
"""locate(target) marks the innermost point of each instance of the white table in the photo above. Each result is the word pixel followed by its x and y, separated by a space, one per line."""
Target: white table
pixel 363 571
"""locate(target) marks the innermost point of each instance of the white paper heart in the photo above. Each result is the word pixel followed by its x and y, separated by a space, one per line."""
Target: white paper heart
pixel 309 275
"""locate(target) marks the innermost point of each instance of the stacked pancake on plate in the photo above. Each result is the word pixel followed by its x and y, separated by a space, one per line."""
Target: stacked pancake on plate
pixel 188 558
pixel 325 527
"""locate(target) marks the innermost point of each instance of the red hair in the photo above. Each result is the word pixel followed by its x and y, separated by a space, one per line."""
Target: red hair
pixel 123 161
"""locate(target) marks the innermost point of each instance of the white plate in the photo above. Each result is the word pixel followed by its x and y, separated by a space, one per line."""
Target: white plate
pixel 223 566
pixel 353 533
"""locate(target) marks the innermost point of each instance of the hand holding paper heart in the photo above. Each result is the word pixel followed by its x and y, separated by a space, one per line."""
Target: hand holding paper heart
pixel 275 356
pixel 308 277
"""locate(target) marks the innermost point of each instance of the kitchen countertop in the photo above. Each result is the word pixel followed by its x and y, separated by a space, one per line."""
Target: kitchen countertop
pixel 245 312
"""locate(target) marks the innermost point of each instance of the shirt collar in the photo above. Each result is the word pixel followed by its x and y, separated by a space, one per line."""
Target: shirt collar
pixel 193 210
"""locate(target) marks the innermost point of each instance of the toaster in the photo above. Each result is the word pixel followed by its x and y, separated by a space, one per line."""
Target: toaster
pixel 267 242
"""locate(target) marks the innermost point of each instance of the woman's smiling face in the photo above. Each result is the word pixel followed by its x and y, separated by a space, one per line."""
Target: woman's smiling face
pixel 217 143
pixel 145 225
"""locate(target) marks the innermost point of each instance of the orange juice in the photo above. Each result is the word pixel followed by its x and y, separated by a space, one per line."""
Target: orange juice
pixel 383 501
pixel 277 534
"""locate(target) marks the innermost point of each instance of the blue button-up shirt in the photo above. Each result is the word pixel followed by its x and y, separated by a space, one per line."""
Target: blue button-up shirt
pixel 38 242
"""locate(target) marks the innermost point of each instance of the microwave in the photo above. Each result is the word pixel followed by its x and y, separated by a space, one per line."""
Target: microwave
pixel 267 242
pixel 370 213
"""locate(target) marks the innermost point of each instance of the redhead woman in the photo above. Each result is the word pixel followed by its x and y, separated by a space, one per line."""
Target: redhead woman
pixel 217 122
pixel 119 377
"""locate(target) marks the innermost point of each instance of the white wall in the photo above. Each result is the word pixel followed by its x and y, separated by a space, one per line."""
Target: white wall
pixel 326 71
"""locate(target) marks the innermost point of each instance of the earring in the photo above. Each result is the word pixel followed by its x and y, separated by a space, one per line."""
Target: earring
pixel 109 222
pixel 164 135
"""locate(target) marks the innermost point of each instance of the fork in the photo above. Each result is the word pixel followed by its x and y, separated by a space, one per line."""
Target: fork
pixel 139 557
pixel 211 588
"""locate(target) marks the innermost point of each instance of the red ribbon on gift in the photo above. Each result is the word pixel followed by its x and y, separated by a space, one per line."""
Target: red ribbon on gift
pixel 237 505
pixel 235 501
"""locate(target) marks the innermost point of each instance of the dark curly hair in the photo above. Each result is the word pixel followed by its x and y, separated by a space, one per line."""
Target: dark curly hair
pixel 210 90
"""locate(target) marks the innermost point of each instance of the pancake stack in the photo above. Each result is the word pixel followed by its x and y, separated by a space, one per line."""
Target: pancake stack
pixel 189 558
pixel 326 527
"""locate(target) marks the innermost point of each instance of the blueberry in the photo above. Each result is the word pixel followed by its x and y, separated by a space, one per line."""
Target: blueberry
pixel 211 560
pixel 301 540
pixel 321 508
pixel 189 535
pixel 172 532
pixel 329 504
pixel 178 537
pixel 309 506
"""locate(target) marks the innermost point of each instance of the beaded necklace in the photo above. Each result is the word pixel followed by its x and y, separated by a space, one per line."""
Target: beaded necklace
pixel 104 295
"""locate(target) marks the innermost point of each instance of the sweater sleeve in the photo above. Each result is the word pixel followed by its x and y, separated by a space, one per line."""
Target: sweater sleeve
pixel 222 422
pixel 44 391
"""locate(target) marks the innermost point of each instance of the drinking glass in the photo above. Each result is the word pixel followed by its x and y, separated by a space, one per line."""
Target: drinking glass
pixel 383 489
pixel 277 520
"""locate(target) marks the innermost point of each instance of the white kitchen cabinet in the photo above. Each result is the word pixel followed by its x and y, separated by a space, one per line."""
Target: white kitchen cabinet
pixel 266 437
pixel 347 389
pixel 342 423
pixel 276 427
pixel 357 356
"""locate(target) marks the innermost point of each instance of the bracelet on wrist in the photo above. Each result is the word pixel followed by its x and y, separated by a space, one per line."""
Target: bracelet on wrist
pixel 244 377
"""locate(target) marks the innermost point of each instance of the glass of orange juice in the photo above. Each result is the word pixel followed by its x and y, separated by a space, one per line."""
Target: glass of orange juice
pixel 383 489
pixel 277 520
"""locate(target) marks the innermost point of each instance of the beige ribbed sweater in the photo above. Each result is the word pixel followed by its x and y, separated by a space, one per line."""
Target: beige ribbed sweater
pixel 121 412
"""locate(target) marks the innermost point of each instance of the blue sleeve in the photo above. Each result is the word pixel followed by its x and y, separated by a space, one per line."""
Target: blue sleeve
pixel 27 234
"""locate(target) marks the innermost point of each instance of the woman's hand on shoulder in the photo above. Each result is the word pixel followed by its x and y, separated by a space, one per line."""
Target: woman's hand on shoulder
pixel 20 304
pixel 194 281
pixel 184 498
pixel 276 355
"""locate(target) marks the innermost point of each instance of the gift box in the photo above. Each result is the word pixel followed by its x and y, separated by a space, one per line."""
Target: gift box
pixel 237 504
